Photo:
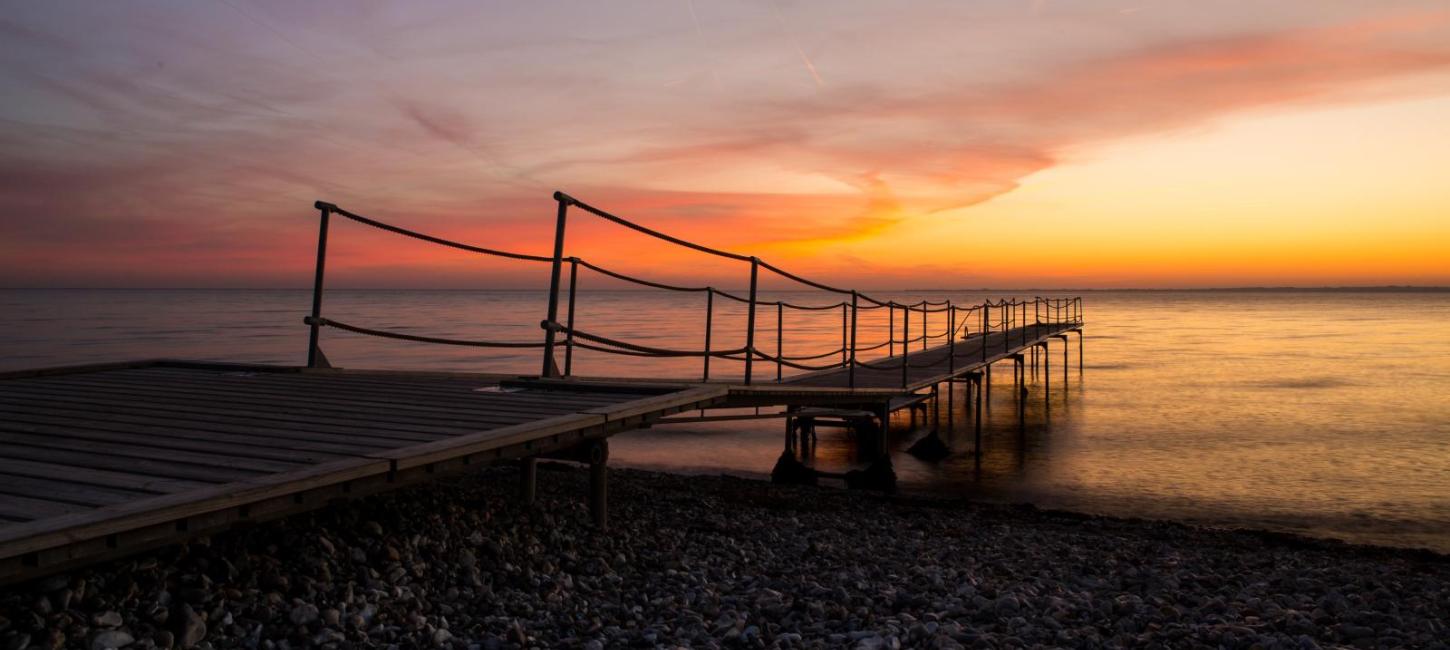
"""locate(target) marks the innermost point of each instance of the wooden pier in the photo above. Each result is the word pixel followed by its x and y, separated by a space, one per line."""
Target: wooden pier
pixel 99 461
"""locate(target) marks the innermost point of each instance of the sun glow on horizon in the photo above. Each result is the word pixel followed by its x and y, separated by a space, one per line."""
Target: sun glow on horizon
pixel 1171 145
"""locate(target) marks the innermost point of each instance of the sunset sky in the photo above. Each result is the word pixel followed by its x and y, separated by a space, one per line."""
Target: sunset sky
pixel 924 144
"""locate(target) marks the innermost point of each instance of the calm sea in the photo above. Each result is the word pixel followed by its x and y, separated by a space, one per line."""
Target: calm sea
pixel 1312 412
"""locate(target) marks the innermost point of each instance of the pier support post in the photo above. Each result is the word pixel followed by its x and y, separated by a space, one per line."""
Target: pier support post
pixel 1064 361
pixel 599 484
pixel 528 480
pixel 1046 376
pixel 977 425
pixel 1079 352
pixel 885 416
pixel 986 389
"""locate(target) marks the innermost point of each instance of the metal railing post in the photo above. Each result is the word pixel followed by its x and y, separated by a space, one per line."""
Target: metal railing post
pixel 891 329
pixel 925 340
pixel 986 328
pixel 851 374
pixel 779 340
pixel 569 336
pixel 905 341
pixel 844 356
pixel 316 325
pixel 951 344
pixel 553 315
pixel 750 319
pixel 709 322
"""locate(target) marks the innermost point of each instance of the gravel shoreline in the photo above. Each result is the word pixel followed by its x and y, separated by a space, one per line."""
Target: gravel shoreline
pixel 713 561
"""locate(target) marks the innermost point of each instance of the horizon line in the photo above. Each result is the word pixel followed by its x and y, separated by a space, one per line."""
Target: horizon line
pixel 1406 288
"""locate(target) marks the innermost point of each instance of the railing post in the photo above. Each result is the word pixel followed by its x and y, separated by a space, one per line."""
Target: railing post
pixel 569 336
pixel 779 340
pixel 925 340
pixel 851 374
pixel 951 346
pixel 316 325
pixel 1024 322
pixel 905 340
pixel 986 328
pixel 553 315
pixel 844 357
pixel 709 322
pixel 891 329
pixel 750 319
pixel 1006 328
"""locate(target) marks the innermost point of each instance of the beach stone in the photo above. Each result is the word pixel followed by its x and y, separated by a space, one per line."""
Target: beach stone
pixel 303 614
pixel 106 639
pixel 107 619
pixel 192 627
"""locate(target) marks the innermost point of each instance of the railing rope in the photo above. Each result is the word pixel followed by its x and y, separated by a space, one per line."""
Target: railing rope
pixel 1051 313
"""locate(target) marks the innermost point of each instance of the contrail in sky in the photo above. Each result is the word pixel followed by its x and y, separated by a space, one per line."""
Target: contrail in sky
pixel 810 67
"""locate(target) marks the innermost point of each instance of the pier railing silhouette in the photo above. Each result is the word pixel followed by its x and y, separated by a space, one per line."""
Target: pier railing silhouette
pixel 1016 321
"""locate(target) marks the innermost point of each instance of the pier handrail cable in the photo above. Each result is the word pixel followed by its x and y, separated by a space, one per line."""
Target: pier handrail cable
pixel 1057 310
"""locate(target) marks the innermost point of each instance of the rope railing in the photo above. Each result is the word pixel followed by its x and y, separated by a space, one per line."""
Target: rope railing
pixel 328 322
pixel 1009 316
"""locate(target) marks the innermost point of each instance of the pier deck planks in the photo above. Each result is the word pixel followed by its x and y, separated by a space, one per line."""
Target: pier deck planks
pixel 98 461
pixel 932 365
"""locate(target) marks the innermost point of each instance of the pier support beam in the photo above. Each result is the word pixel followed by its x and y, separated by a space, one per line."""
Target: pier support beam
pixel 595 453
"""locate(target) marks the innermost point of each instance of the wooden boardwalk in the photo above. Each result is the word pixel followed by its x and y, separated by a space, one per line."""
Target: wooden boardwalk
pixel 934 365
pixel 103 460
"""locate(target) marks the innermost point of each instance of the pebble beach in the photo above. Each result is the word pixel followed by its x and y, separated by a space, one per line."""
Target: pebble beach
pixel 705 561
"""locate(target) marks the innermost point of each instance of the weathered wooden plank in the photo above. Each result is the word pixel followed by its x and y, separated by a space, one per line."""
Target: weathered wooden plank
pixel 66 491
pixel 131 449
pixel 404 409
pixel 431 452
pixel 661 403
pixel 161 464
pixel 24 538
pixel 104 478
pixel 30 508
pixel 60 404
pixel 258 444
pixel 142 401
pixel 467 396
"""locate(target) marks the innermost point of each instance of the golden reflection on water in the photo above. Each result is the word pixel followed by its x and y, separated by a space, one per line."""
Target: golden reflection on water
pixel 1315 412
